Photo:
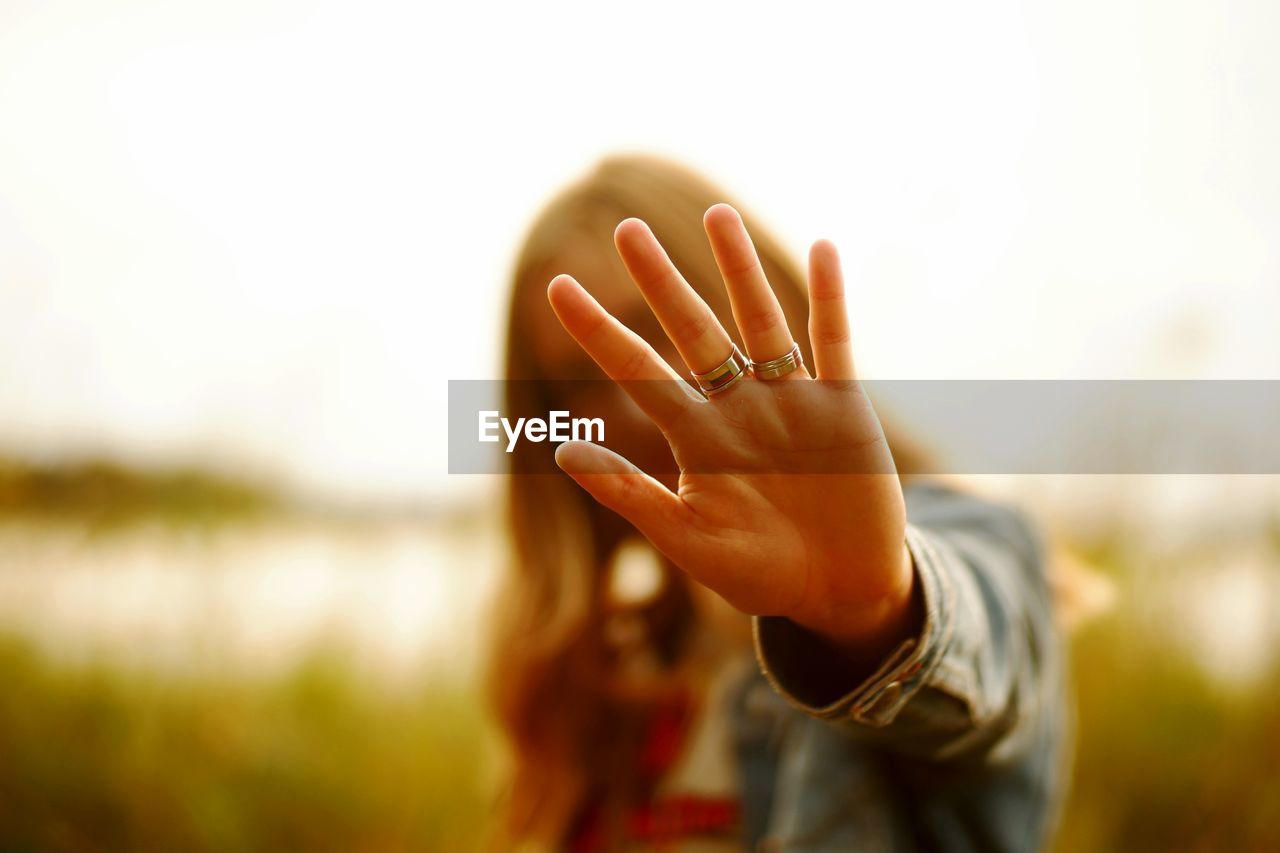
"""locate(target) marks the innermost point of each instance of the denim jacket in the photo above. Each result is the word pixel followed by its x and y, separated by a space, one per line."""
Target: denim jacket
pixel 958 742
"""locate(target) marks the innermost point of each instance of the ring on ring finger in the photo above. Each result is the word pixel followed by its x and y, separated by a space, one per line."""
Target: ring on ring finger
pixel 776 368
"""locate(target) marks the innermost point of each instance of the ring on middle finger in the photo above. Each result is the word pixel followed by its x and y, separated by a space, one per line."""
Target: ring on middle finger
pixel 723 375
pixel 776 368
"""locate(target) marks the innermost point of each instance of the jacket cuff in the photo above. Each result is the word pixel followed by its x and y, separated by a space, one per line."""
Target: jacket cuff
pixel 783 653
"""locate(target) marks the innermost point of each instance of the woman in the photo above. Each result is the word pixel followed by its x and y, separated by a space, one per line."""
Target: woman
pixel 819 657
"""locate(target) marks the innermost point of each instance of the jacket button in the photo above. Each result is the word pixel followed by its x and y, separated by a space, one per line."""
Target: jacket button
pixel 883 704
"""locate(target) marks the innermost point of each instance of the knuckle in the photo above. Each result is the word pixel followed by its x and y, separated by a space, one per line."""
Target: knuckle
pixel 763 320
pixel 627 488
pixel 831 336
pixel 681 423
pixel 660 279
pixel 693 328
pixel 595 327
pixel 741 268
pixel 632 367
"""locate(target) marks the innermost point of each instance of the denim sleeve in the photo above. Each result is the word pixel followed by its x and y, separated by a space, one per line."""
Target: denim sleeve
pixel 985 665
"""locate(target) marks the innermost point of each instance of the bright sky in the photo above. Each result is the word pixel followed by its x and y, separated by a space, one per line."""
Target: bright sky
pixel 268 232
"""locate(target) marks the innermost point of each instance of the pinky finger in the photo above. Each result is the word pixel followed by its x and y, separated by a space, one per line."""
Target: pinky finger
pixel 828 314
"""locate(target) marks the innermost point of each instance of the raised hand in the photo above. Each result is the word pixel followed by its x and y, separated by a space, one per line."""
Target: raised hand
pixel 788 501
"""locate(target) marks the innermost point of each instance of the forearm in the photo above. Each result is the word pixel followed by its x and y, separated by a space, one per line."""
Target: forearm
pixel 978 667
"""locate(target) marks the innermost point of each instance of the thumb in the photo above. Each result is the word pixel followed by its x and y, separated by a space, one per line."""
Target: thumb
pixel 651 507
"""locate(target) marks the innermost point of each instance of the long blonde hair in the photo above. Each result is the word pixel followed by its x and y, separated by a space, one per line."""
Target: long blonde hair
pixel 568 732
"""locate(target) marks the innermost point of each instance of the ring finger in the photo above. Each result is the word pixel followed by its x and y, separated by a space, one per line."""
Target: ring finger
pixel 755 306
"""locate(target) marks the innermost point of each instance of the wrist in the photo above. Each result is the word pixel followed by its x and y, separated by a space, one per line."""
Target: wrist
pixel 869 630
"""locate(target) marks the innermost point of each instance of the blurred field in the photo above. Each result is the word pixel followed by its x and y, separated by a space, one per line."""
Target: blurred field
pixel 194 663
pixel 219 668
pixel 1169 757
pixel 94 758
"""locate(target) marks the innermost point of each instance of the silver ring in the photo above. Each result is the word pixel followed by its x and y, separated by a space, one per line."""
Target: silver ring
pixel 776 368
pixel 722 375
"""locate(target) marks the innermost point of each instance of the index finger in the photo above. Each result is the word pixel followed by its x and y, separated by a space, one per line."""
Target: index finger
pixel 622 354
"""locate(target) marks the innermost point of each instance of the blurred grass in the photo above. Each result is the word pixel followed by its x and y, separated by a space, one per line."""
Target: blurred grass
pixel 96 758
pixel 1168 758
pixel 101 757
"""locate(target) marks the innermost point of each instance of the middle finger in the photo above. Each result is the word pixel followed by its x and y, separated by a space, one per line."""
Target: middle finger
pixel 688 321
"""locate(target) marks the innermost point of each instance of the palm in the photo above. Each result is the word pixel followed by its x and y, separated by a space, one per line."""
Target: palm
pixel 788 501
pixel 778 519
